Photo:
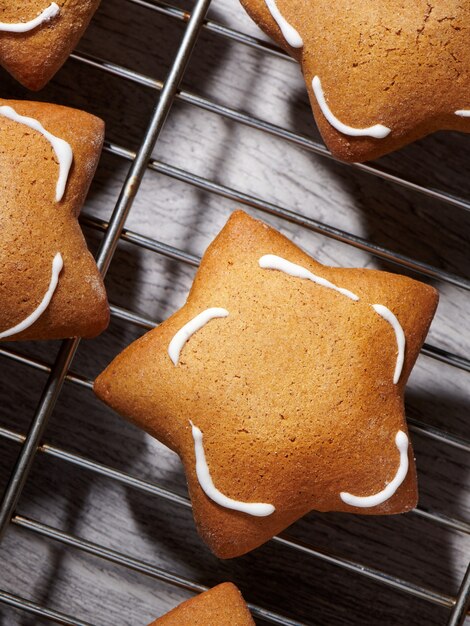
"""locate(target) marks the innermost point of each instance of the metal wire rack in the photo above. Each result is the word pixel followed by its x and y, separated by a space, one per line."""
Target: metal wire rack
pixel 114 230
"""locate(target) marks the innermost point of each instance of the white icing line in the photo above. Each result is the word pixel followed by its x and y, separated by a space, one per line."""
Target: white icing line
pixel 182 336
pixel 62 149
pixel 400 335
pixel 256 509
pixel 378 131
pixel 57 265
pixel 401 441
pixel 24 27
pixel 463 113
pixel 288 31
pixel 273 262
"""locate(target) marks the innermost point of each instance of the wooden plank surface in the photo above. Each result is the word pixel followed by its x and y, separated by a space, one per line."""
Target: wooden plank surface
pixel 159 532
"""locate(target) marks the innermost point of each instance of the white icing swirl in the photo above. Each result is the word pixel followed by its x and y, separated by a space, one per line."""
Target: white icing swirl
pixel 273 262
pixel 24 27
pixel 288 31
pixel 463 113
pixel 378 131
pixel 57 265
pixel 257 509
pixel 182 336
pixel 401 441
pixel 384 312
pixel 62 149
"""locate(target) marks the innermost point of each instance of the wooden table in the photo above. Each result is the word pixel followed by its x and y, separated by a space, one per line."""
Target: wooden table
pixel 233 155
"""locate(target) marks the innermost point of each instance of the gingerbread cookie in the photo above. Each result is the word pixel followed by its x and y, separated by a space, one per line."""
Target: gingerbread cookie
pixel 37 36
pixel 50 287
pixel 280 385
pixel 378 77
pixel 220 606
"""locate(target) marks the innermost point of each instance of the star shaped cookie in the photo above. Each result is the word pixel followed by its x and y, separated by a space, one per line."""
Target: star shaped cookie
pixel 37 36
pixel 379 75
pixel 220 606
pixel 50 287
pixel 280 384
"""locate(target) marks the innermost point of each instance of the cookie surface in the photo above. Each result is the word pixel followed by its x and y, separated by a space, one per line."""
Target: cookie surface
pixel 220 606
pixel 48 156
pixel 34 56
pixel 286 389
pixel 394 72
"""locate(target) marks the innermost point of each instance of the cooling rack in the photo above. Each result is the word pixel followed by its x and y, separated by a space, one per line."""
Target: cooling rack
pixel 141 162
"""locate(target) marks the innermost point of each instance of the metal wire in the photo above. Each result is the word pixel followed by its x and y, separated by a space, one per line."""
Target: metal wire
pixel 295 218
pixel 137 565
pixel 35 609
pixel 114 230
pixel 156 572
pixel 361 569
pixel 147 487
pixel 460 610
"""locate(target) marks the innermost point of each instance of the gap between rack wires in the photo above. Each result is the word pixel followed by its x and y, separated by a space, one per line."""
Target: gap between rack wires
pixel 225 31
pixel 417 591
pixel 294 218
pixel 146 568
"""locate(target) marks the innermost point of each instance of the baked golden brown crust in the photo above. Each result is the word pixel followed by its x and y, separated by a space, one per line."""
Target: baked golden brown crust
pixel 35 56
pixel 293 391
pixel 220 606
pixel 405 65
pixel 35 226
